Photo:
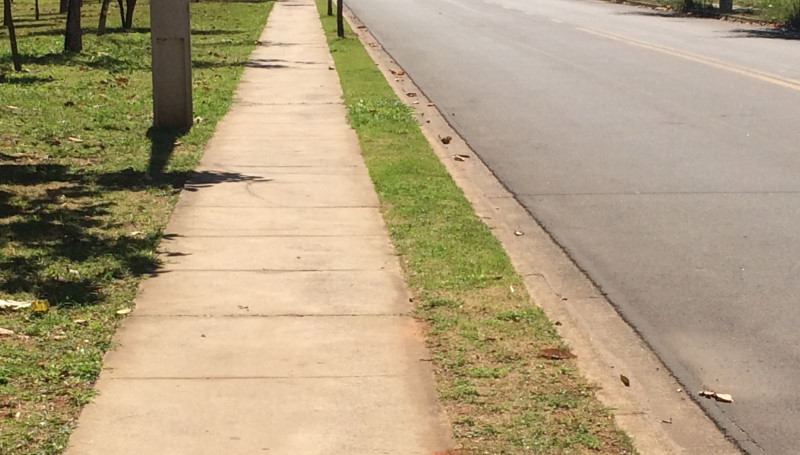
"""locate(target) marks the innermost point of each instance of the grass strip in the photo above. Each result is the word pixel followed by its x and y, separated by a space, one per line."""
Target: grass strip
pixel 483 332
pixel 85 192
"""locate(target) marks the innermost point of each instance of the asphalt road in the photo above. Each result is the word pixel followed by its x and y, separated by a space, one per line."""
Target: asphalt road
pixel 662 153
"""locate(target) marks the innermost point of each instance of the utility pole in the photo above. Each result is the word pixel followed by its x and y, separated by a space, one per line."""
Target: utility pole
pixel 172 64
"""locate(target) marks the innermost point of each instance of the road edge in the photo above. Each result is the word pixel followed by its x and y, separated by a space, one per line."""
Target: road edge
pixel 654 410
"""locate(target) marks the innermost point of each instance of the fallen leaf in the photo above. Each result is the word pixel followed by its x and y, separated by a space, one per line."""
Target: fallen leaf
pixel 723 397
pixel 5 332
pixel 458 158
pixel 331 68
pixel 431 105
pixel 124 311
pixel 393 71
pixel 14 304
pixel 40 306
pixel 667 420
pixel 362 27
pixel 519 233
pixel 446 140
pixel 400 73
pixel 177 143
pixel 12 107
pixel 558 323
pixel 556 354
pixel 625 380
pixel 411 94
pixel 74 272
pixel 74 139
pixel 80 321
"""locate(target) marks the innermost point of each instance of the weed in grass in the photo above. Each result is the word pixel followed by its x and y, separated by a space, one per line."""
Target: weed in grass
pixel 85 192
pixel 483 337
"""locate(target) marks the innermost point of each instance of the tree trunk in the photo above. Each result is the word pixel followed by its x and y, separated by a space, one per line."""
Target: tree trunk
pixel 130 5
pixel 101 24
pixel 12 35
pixel 36 9
pixel 330 7
pixel 121 13
pixel 63 6
pixel 340 18
pixel 73 41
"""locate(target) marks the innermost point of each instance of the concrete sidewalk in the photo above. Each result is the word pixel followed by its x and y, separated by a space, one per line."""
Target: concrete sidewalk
pixel 279 323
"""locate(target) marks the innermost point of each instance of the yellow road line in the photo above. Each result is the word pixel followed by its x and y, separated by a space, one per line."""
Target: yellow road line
pixel 748 72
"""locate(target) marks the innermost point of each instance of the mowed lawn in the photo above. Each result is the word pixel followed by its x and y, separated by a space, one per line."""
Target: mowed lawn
pixel 85 191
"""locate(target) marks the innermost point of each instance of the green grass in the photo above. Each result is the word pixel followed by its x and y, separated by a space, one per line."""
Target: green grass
pixel 483 332
pixel 85 192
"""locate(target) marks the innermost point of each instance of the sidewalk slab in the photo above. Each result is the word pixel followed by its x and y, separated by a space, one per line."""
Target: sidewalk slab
pixel 278 253
pixel 265 347
pixel 285 190
pixel 276 221
pixel 315 416
pixel 199 293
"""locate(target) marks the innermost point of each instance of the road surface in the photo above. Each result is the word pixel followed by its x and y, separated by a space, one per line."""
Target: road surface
pixel 662 153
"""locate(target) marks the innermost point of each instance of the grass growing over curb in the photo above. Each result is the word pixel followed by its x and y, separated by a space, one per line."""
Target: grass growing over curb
pixel 85 191
pixel 483 332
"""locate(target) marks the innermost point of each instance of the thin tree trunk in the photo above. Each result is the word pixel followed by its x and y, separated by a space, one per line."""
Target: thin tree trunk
pixel 121 13
pixel 340 18
pixel 330 7
pixel 63 6
pixel 130 5
pixel 12 35
pixel 36 9
pixel 101 24
pixel 73 39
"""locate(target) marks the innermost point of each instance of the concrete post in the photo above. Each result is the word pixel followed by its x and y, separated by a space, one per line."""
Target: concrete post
pixel 172 64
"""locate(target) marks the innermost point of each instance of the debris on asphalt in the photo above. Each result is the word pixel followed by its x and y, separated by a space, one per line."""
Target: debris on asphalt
pixel 625 380
pixel 721 397
pixel 556 354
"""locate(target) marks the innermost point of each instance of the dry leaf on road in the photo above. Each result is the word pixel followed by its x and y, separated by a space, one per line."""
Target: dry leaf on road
pixel 625 380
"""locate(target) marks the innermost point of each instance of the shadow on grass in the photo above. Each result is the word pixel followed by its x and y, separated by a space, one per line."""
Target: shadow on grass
pixel 25 79
pixel 62 240
pixel 106 62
